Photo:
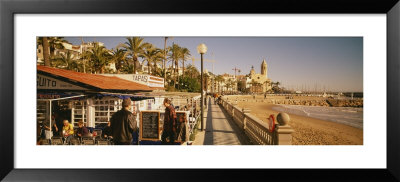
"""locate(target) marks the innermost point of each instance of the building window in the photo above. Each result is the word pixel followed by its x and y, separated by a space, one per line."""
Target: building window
pixel 79 112
pixel 41 110
pixel 104 109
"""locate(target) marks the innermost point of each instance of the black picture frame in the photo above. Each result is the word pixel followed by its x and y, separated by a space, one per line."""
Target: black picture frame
pixel 9 8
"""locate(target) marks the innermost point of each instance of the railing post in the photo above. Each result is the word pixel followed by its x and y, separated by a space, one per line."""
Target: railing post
pixel 233 109
pixel 283 130
pixel 245 111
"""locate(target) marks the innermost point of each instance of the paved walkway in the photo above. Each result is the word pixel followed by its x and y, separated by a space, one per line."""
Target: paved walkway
pixel 220 129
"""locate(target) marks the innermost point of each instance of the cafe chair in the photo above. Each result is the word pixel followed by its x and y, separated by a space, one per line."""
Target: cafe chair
pixel 44 142
pixel 56 140
pixel 75 141
pixel 87 140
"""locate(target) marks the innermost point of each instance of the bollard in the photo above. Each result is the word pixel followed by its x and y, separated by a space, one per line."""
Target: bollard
pixel 283 130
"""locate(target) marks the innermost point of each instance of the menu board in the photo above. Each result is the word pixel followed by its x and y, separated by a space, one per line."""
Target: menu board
pixel 149 125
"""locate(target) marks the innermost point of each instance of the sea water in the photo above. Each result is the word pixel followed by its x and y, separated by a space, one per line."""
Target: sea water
pixel 344 115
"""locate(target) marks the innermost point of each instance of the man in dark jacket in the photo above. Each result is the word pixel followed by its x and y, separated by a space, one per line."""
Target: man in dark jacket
pixel 123 123
pixel 169 123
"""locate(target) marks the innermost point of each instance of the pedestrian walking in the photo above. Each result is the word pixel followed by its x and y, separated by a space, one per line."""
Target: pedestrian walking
pixel 169 128
pixel 123 124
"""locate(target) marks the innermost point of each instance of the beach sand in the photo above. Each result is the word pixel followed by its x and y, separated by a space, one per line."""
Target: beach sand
pixel 310 131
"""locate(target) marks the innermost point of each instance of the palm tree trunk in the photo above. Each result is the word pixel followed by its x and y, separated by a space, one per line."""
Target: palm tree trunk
pixel 148 67
pixel 165 59
pixel 174 68
pixel 177 67
pixel 153 68
pixel 46 53
pixel 134 63
pixel 183 67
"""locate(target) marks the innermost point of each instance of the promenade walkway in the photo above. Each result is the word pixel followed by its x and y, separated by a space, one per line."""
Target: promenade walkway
pixel 220 129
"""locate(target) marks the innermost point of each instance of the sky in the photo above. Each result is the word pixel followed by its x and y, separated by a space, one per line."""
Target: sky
pixel 299 63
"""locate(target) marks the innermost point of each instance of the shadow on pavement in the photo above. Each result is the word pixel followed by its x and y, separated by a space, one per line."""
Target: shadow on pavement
pixel 210 131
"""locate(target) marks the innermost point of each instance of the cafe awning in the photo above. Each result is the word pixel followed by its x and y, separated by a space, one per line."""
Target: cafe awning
pixel 57 96
pixel 55 79
pixel 122 96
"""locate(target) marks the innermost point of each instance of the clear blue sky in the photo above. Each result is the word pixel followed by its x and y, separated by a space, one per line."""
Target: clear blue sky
pixel 307 63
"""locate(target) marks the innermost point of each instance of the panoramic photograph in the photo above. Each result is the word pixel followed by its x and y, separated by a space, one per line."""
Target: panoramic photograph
pixel 199 90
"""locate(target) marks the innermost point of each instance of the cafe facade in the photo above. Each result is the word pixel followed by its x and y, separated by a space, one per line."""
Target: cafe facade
pixel 91 98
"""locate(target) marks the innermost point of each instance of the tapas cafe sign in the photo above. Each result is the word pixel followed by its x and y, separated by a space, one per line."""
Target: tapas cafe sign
pixel 45 82
pixel 149 80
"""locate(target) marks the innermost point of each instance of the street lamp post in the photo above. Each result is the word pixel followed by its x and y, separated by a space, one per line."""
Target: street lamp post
pixel 202 49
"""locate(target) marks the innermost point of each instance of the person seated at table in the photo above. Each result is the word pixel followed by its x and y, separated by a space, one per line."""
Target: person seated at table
pixel 68 131
pixel 107 132
pixel 82 130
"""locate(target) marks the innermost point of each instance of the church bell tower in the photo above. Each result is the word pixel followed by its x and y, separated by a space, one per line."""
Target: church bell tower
pixel 264 68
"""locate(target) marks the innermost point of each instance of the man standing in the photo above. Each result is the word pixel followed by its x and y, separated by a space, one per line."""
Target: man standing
pixel 123 123
pixel 46 126
pixel 169 123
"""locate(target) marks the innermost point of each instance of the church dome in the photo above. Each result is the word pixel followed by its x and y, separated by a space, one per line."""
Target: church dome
pixel 252 71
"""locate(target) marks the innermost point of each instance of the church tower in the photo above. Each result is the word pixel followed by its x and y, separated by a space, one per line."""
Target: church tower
pixel 264 68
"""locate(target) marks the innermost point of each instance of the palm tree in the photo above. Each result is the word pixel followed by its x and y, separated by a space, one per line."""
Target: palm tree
pixel 175 56
pixel 165 52
pixel 219 79
pixel 158 60
pixel 99 57
pixel 50 44
pixel 119 58
pixel 254 85
pixel 65 61
pixel 56 43
pixel 228 84
pixel 134 46
pixel 268 83
pixel 46 53
pixel 151 54
pixel 184 53
pixel 192 71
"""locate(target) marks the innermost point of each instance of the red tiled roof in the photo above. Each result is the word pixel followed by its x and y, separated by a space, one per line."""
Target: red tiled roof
pixel 98 81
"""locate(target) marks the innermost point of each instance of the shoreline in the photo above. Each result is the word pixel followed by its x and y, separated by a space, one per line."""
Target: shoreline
pixel 310 131
pixel 291 109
